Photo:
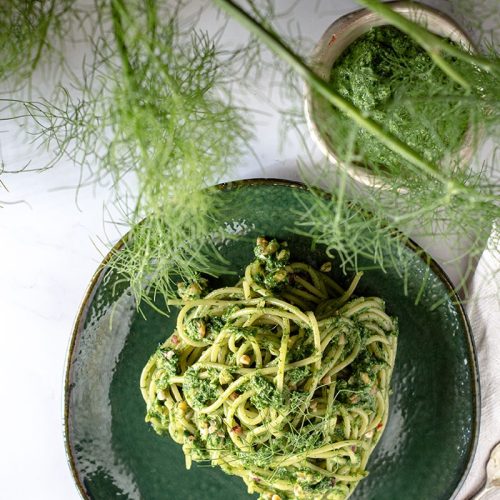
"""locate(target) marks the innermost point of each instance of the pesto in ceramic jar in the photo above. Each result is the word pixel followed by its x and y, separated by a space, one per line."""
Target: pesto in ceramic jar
pixel 388 76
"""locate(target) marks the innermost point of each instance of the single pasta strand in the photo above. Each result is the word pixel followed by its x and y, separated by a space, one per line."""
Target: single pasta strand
pixel 316 336
pixel 318 452
pixel 282 357
pixel 320 294
pixel 348 293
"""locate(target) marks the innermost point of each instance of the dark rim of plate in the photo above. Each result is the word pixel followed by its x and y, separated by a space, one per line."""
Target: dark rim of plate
pixel 99 274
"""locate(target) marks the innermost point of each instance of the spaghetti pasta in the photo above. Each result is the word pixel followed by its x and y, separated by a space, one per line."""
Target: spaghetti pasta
pixel 282 379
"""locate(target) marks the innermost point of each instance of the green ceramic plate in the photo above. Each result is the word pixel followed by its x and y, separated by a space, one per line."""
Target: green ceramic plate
pixel 431 434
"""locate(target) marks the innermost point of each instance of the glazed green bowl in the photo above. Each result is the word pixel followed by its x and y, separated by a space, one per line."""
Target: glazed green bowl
pixel 429 441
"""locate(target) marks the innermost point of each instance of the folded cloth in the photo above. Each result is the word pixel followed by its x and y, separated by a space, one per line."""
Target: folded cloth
pixel 483 310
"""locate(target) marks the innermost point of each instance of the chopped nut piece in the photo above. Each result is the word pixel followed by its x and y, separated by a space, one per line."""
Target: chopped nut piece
pixel 261 242
pixel 202 329
pixel 283 255
pixel 271 248
pixel 183 406
pixel 194 289
pixel 280 275
pixel 245 359
pixel 275 497
pixel 160 395
pixel 326 267
pixel 369 434
pixel 326 380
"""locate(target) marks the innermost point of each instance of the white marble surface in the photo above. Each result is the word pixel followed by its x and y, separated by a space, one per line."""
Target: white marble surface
pixel 51 244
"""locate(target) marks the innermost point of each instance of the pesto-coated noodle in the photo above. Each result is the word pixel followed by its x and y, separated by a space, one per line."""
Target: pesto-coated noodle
pixel 282 379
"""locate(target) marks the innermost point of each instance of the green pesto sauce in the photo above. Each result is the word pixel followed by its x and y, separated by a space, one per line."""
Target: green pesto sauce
pixel 387 75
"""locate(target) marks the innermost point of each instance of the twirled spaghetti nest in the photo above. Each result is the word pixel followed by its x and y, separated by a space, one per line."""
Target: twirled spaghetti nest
pixel 282 379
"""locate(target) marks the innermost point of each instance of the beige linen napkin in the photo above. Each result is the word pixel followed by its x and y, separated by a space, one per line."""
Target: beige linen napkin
pixel 483 311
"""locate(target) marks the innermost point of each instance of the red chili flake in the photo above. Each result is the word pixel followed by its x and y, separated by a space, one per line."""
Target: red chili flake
pixel 237 430
pixel 353 448
pixel 175 340
pixel 332 40
pixel 379 426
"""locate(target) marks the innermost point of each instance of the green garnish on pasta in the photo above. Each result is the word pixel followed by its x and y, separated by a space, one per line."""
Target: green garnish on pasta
pixel 282 379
